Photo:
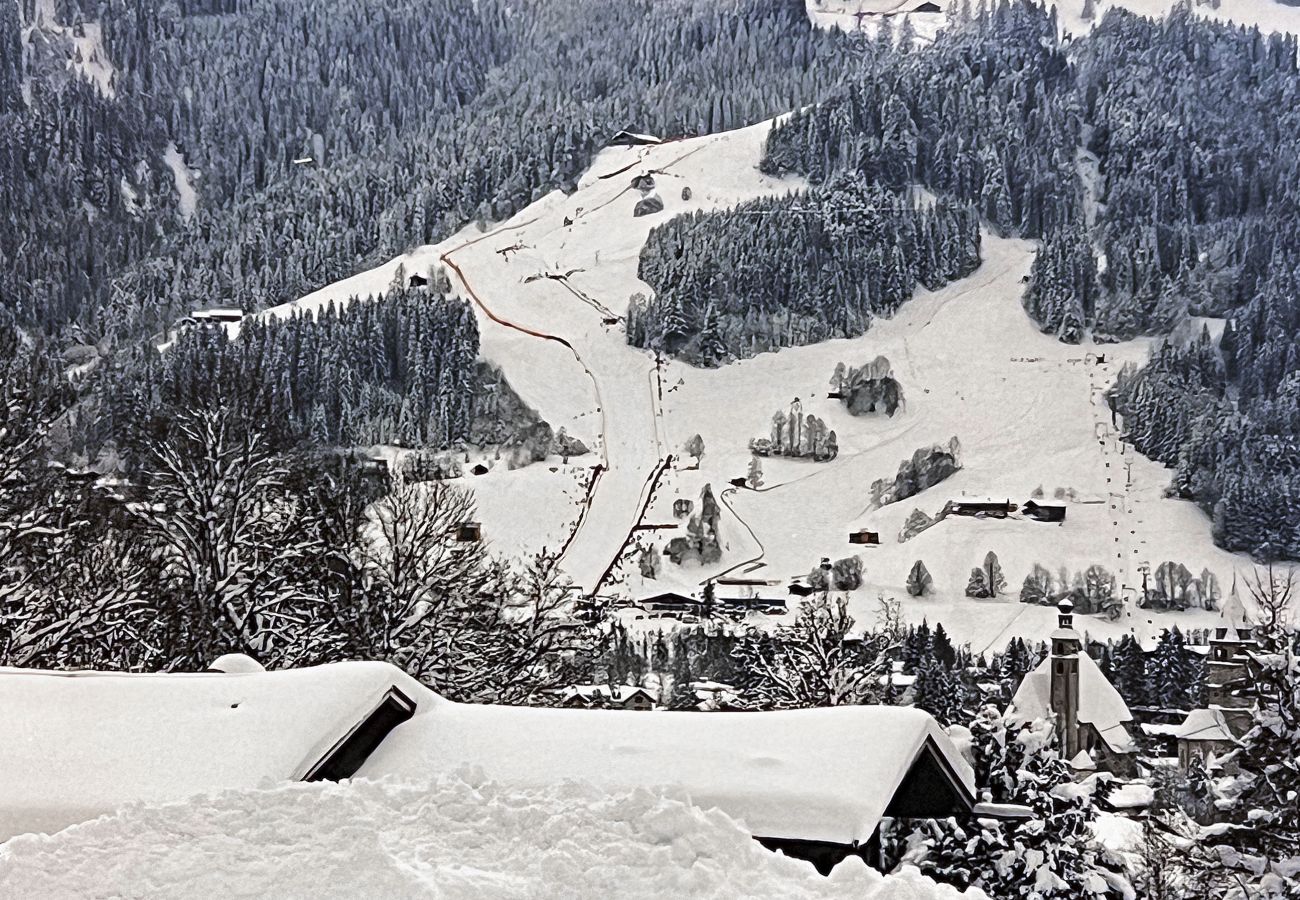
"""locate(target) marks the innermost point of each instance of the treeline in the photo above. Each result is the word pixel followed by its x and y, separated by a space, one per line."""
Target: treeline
pixel 1156 161
pixel 1234 448
pixel 792 270
pixel 401 368
pixel 324 136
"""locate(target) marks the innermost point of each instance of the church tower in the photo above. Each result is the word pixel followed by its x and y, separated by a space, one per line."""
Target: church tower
pixel 1066 646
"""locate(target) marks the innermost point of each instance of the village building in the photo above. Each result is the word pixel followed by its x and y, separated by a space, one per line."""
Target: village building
pixel 632 139
pixel 165 737
pixel 604 696
pixel 995 509
pixel 1090 716
pixel 670 602
pixel 1210 732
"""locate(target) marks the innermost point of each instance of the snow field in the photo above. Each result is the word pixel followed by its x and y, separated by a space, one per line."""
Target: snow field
pixel 1028 411
pixel 457 837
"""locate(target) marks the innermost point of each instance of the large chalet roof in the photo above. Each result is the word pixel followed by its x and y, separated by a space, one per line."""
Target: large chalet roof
pixel 816 775
pixel 84 744
pixel 77 745
pixel 1100 705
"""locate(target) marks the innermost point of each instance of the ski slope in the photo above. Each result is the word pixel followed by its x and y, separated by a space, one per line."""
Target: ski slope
pixel 1028 411
pixel 558 339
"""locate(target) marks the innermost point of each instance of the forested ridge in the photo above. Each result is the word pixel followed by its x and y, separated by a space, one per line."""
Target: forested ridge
pixel 417 118
pixel 794 270
pixel 1157 164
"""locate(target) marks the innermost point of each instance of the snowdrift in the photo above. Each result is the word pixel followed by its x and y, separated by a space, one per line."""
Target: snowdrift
pixel 458 837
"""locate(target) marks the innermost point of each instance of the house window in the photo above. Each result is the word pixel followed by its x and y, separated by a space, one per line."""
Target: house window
pixel 1060 667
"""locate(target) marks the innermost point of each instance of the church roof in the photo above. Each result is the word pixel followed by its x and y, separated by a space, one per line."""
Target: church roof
pixel 1100 705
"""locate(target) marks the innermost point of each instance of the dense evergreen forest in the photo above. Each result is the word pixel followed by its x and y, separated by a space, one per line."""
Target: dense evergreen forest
pixel 1156 162
pixel 399 369
pixel 794 270
pixel 324 137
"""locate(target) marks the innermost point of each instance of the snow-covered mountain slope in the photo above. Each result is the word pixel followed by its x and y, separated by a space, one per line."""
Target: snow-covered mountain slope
pixel 1027 410
pixel 852 15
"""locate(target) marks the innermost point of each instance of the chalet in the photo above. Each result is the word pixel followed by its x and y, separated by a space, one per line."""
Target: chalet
pixel 682 507
pixel 479 469
pixel 670 602
pixel 1090 715
pixel 163 737
pixel 467 532
pixel 604 696
pixel 740 482
pixel 887 9
pixel 632 139
pixel 991 509
pixel 799 589
pixel 1044 512
pixel 849 766
pixel 417 280
pixel 217 316
pixel 864 537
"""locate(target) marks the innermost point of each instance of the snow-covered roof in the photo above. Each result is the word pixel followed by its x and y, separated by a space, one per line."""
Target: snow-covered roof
pixel 85 743
pixel 1205 725
pixel 1100 705
pixel 1083 761
pixel 619 692
pixel 821 775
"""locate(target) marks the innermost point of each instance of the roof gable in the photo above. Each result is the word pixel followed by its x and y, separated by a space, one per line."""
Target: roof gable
pixel 816 775
pixel 89 742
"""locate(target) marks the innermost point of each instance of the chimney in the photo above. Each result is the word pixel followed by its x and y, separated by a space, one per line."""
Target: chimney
pixel 1066 645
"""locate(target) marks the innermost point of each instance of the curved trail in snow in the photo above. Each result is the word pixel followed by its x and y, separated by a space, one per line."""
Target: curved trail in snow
pixel 601 467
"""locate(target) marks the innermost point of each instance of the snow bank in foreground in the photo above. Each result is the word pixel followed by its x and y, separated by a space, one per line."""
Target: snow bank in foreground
pixel 455 838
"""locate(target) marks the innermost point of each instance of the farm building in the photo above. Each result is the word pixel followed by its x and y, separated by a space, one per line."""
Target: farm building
pixel 1090 715
pixel 994 509
pixel 217 316
pixel 864 537
pixel 670 602
pixel 1044 512
pixel 480 469
pixel 417 280
pixel 165 737
pixel 632 139
pixel 885 9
